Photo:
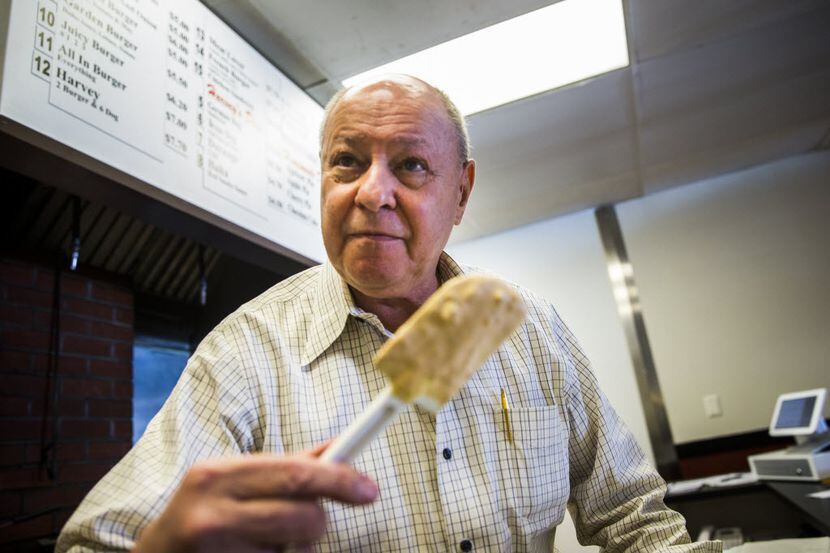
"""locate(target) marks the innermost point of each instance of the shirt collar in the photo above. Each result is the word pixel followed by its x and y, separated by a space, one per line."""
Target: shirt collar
pixel 334 304
pixel 331 307
pixel 447 268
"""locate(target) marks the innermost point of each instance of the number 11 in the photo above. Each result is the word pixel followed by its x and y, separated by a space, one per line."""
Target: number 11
pixel 44 41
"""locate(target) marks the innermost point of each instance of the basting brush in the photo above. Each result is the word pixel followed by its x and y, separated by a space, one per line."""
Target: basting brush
pixel 434 353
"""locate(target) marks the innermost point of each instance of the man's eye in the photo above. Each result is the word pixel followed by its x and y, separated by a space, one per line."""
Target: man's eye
pixel 413 165
pixel 345 160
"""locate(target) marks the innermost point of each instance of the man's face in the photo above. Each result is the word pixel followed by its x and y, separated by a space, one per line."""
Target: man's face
pixel 393 186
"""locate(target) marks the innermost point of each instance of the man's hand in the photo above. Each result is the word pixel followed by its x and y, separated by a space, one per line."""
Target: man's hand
pixel 253 503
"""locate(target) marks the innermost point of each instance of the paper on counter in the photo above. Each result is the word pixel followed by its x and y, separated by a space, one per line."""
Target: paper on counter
pixel 825 494
pixel 719 481
pixel 803 545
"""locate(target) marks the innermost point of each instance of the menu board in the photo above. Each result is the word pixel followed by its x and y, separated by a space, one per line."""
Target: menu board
pixel 167 93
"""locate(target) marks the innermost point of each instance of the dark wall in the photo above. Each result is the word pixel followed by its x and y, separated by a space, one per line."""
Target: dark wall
pixel 63 425
pixel 232 283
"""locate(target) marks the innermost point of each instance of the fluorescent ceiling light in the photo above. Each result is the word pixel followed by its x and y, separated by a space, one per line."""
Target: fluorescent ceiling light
pixel 541 50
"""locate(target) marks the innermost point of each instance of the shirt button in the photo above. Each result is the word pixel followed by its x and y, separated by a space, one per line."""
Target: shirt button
pixel 466 545
pixel 447 453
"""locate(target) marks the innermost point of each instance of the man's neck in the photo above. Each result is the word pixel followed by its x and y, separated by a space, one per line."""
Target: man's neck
pixel 393 312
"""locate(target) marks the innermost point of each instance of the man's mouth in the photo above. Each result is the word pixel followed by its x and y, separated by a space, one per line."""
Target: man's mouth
pixel 378 236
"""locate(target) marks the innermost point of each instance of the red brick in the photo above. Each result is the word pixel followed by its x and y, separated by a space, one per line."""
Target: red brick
pixel 122 389
pixel 62 516
pixel 14 360
pixel 67 364
pixel 86 346
pixel 110 408
pixel 84 428
pixel 11 504
pixel 14 407
pixel 83 472
pixel 56 496
pixel 107 330
pixel 19 430
pixel 87 308
pixel 75 325
pixel 18 315
pixel 45 280
pixel 112 294
pixel 25 339
pixel 77 387
pixel 123 351
pixel 33 453
pixel 66 452
pixel 28 530
pixel 72 365
pixel 16 478
pixel 16 273
pixel 36 405
pixel 12 454
pixel 42 319
pixel 112 369
pixel 21 385
pixel 74 286
pixel 39 363
pixel 71 407
pixel 122 429
pixel 71 452
pixel 27 296
pixel 108 450
pixel 124 316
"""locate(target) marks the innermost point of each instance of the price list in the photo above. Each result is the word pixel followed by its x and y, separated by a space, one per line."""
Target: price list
pixel 183 80
pixel 92 54
pixel 291 187
pixel 167 93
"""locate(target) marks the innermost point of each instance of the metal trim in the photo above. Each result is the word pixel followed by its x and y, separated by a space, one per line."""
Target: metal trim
pixel 627 297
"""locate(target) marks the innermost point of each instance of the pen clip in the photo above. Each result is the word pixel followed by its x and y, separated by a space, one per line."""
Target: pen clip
pixel 505 412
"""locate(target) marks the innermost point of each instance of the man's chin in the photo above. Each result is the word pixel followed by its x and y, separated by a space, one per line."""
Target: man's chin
pixel 377 281
pixel 378 286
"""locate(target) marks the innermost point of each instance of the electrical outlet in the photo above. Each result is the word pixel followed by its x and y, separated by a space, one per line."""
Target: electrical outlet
pixel 711 406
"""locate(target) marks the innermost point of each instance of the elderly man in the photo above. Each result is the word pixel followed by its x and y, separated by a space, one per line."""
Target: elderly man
pixel 290 369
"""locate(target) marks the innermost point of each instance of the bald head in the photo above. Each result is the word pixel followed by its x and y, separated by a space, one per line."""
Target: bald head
pixel 408 87
pixel 392 187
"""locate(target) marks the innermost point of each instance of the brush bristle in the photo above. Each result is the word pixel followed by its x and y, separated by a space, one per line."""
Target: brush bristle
pixel 439 348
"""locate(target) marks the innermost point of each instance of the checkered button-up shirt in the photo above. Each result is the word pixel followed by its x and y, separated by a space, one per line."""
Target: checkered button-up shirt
pixel 293 367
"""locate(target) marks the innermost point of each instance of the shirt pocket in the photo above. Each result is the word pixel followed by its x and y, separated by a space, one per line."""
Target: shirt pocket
pixel 534 465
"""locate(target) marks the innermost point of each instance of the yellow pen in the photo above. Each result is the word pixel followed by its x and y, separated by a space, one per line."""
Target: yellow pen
pixel 505 410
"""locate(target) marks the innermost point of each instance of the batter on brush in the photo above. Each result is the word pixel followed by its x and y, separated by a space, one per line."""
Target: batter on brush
pixel 436 351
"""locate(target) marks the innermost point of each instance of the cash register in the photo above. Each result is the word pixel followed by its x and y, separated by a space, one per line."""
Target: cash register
pixel 801 415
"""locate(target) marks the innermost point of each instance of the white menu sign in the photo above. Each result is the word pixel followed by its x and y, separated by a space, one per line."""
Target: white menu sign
pixel 166 92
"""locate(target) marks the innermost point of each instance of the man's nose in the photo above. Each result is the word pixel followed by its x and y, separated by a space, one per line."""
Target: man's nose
pixel 376 189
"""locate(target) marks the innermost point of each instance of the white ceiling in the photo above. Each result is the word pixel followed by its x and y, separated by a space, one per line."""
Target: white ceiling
pixel 714 86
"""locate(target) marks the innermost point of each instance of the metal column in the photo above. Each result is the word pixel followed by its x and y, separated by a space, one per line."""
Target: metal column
pixel 628 305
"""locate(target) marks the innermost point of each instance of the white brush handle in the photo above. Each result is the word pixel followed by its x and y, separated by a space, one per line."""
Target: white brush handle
pixel 371 422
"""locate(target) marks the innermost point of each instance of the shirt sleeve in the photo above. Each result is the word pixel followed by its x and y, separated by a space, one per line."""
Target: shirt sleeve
pixel 208 414
pixel 616 495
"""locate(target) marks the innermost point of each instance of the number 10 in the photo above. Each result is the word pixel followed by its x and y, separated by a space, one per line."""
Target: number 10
pixel 47 16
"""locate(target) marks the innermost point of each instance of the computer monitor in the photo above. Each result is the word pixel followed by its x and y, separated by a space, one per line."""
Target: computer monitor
pixel 799 413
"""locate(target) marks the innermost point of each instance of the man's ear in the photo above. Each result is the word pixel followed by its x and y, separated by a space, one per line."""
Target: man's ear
pixel 468 179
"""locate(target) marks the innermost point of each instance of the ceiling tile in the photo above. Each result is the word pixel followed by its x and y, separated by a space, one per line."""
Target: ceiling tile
pixel 552 154
pixel 668 26
pixel 700 111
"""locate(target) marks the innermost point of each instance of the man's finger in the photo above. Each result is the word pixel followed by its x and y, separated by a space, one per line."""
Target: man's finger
pixel 302 477
pixel 318 450
pixel 278 522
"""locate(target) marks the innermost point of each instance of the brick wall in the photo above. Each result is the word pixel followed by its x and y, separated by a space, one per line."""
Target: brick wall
pixel 93 390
